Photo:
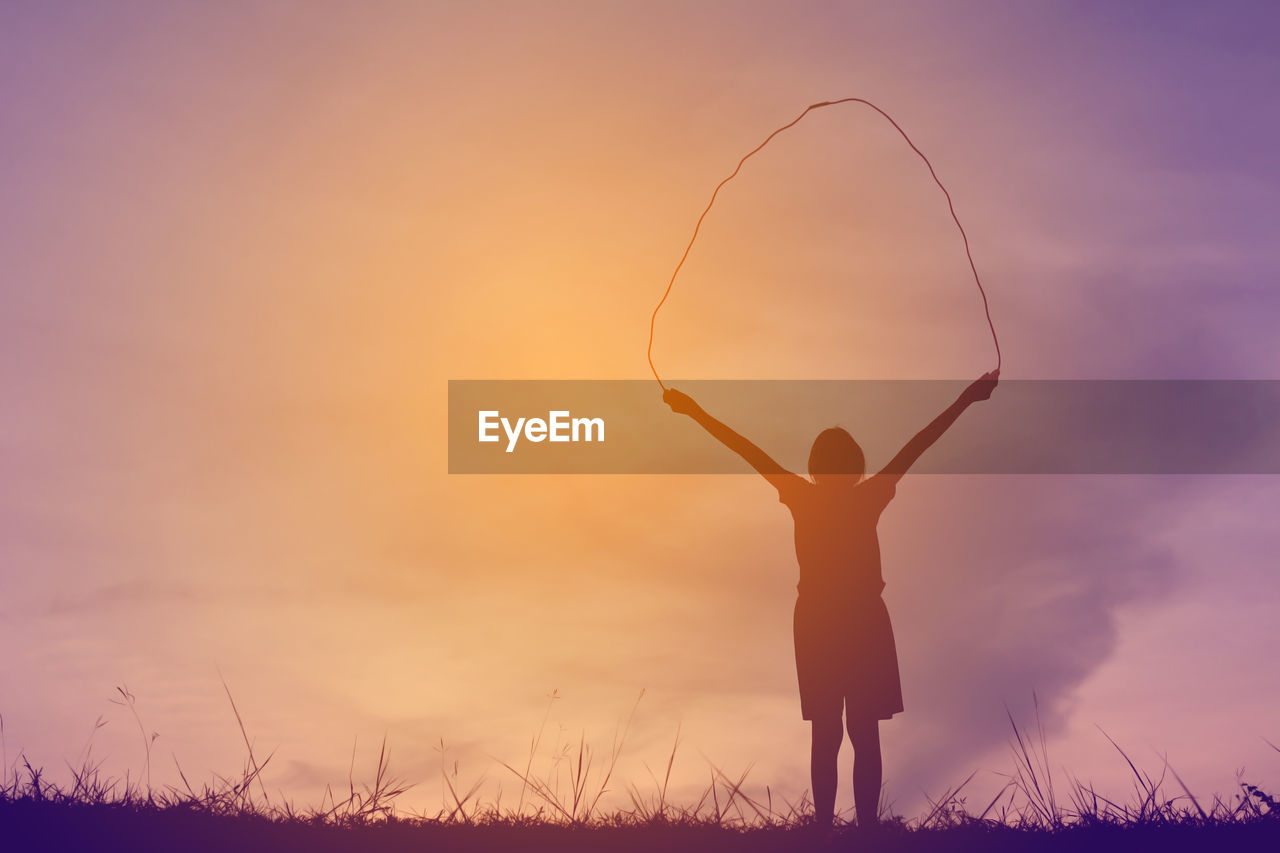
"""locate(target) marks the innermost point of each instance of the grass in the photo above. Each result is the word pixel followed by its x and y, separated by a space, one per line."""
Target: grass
pixel 561 809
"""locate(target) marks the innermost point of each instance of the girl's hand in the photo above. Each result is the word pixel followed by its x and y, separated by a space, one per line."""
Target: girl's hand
pixel 680 402
pixel 981 389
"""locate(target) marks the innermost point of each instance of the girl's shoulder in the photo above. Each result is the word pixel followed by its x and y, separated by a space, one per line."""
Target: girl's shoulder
pixel 871 494
pixel 880 484
pixel 793 489
pixel 878 490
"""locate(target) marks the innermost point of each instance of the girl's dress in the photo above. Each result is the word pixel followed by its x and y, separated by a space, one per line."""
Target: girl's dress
pixel 845 653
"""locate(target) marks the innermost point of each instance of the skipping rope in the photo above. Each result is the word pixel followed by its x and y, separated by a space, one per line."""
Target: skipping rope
pixel 951 207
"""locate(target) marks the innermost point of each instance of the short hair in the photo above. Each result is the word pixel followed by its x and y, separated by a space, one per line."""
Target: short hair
pixel 835 452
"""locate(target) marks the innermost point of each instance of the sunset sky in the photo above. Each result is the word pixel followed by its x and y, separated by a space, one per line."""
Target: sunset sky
pixel 244 246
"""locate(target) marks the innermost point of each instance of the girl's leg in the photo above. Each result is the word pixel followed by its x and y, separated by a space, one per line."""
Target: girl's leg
pixel 864 734
pixel 822 766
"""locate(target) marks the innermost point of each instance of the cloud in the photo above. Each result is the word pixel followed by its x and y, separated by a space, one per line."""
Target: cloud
pixel 1005 587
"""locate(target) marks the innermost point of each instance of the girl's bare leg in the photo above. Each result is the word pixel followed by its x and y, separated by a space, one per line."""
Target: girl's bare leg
pixel 867 770
pixel 827 738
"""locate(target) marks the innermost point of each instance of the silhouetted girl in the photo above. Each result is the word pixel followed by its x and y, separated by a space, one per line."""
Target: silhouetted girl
pixel 845 655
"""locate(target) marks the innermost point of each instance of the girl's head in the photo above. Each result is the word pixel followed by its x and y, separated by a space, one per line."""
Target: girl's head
pixel 835 453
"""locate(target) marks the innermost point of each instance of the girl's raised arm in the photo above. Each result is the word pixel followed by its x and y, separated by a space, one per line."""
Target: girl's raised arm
pixel 683 404
pixel 980 390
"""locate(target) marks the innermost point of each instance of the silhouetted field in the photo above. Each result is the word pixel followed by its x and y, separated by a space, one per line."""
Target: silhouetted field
pixel 562 811
pixel 27 824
